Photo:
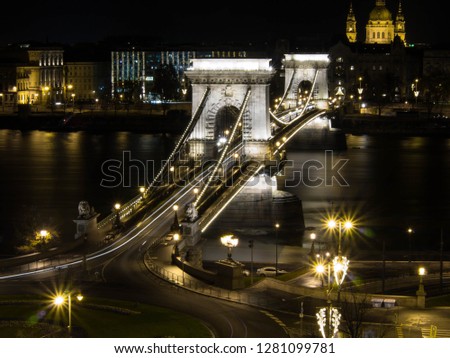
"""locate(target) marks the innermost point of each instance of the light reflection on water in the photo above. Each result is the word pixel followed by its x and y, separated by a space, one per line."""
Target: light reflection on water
pixel 394 182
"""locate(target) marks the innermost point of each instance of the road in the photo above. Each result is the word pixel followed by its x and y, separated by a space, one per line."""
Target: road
pixel 124 276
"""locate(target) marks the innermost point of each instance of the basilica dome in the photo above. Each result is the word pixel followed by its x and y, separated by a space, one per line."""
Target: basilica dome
pixel 380 13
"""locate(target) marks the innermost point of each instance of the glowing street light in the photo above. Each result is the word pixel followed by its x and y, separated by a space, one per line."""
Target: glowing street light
pixel 410 231
pixel 117 222
pixel 229 241
pixel 340 225
pixel 59 301
pixel 328 318
pixel 176 225
pixel 313 237
pixel 421 291
pixel 142 191
pixel 277 226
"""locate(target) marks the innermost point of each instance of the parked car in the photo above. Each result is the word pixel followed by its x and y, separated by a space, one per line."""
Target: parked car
pixel 109 237
pixel 269 271
pixel 246 272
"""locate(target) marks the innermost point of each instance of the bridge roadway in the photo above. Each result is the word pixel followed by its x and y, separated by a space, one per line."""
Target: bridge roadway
pixel 123 276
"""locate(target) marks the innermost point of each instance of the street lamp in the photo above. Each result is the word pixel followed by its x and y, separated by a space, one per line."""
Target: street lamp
pixel 229 241
pixel 59 301
pixel 142 191
pixel 312 236
pixel 421 291
pixel 3 102
pixel 117 211
pixel 340 263
pixel 328 318
pixel 196 191
pixel 43 234
pixel 176 225
pixel 340 225
pixel 410 231
pixel 277 226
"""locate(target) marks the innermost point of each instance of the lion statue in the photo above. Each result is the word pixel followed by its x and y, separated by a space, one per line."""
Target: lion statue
pixel 84 210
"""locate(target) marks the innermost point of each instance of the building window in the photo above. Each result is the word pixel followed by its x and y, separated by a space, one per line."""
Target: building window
pixel 382 35
pixel 378 35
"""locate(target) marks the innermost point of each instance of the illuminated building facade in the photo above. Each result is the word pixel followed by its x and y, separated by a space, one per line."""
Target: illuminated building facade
pixel 134 70
pixel 86 81
pixel 380 28
pixel 41 78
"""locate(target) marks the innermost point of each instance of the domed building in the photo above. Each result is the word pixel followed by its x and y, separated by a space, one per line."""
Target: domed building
pixel 380 28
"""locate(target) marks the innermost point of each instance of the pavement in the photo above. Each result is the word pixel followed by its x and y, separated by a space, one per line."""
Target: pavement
pixel 285 308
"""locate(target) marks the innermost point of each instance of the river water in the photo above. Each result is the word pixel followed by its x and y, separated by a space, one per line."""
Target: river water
pixel 389 183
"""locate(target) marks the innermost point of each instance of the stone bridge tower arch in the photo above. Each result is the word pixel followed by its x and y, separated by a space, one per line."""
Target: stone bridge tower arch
pixel 301 69
pixel 228 81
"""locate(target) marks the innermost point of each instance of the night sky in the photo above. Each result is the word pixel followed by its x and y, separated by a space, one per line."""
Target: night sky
pixel 91 21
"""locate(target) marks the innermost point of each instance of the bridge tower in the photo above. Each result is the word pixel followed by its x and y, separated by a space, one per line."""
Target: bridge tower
pixel 230 82
pixel 303 73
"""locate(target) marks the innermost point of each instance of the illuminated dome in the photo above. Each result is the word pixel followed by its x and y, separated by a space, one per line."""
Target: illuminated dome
pixel 380 13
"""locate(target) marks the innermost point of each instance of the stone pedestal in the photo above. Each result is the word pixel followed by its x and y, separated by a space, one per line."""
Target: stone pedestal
pixel 421 294
pixel 87 226
pixel 229 274
pixel 190 232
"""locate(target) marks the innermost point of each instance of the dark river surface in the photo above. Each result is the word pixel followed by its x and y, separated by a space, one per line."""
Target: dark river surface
pixel 387 183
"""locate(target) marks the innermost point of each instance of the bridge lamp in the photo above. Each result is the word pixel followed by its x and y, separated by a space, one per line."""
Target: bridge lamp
pixel 142 191
pixel 229 241
pixel 422 272
pixel 176 237
pixel 117 206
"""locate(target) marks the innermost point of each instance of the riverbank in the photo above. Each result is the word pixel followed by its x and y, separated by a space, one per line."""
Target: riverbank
pixel 173 121
pixel 406 124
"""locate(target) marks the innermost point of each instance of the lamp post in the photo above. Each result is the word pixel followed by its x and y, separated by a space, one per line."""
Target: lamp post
pixel 196 191
pixel 328 318
pixel 340 225
pixel 277 226
pixel 176 225
pixel 117 222
pixel 3 102
pixel 410 231
pixel 421 291
pixel 60 299
pixel 340 263
pixel 73 102
pixel 229 241
pixel 250 245
pixel 43 234
pixel 313 237
pixel 142 191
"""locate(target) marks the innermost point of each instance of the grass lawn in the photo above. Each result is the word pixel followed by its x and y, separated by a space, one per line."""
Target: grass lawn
pixel 94 318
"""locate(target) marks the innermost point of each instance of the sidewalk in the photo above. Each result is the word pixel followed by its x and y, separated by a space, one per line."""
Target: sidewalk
pixel 397 322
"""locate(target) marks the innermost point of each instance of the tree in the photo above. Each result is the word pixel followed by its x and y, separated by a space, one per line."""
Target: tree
pixel 436 88
pixel 353 310
pixel 34 232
